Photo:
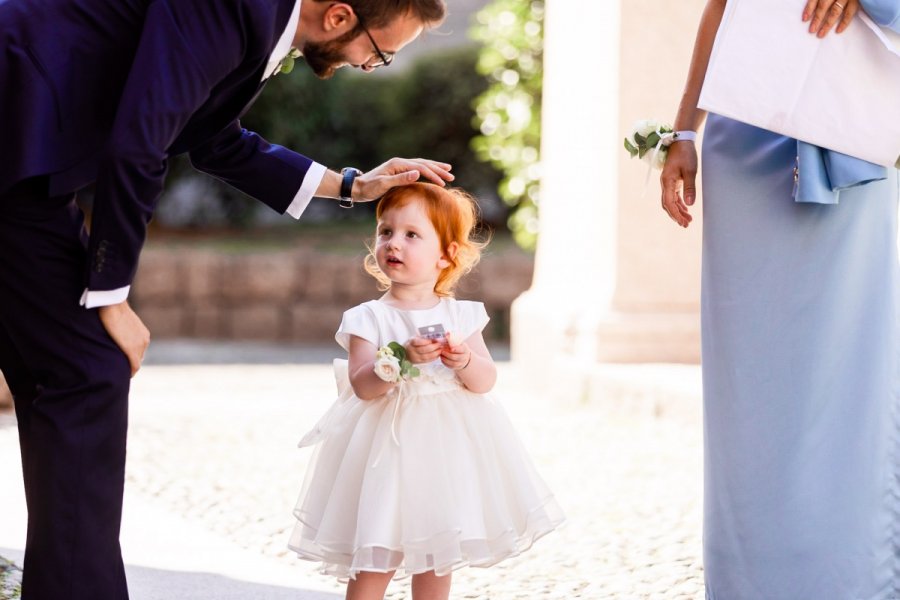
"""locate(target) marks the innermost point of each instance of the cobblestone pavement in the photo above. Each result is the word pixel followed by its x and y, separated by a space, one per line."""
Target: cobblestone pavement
pixel 216 444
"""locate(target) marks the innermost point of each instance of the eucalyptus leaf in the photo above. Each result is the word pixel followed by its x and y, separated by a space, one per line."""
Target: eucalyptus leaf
pixel 652 140
pixel 641 140
pixel 287 64
pixel 630 148
pixel 398 350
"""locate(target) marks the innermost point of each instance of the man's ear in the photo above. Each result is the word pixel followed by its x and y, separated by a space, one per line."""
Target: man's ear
pixel 450 254
pixel 339 17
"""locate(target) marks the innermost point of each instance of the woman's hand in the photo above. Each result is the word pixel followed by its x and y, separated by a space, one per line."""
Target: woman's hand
pixel 824 14
pixel 679 175
pixel 422 350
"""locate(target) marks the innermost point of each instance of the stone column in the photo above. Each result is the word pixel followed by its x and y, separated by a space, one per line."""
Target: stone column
pixel 615 280
pixel 554 323
pixel 654 316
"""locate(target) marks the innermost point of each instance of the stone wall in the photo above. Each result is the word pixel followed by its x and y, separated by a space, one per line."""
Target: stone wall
pixel 295 295
pixel 289 295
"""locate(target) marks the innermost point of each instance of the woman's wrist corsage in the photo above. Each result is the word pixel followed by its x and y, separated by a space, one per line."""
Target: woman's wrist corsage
pixel 391 364
pixel 650 141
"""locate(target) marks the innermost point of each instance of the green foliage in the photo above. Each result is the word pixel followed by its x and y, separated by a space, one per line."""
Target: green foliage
pixel 362 120
pixel 630 148
pixel 509 111
pixel 358 119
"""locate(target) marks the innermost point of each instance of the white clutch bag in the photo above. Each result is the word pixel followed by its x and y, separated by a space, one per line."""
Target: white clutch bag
pixel 841 92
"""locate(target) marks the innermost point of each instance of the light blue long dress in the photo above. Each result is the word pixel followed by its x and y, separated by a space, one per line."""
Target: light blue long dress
pixel 801 373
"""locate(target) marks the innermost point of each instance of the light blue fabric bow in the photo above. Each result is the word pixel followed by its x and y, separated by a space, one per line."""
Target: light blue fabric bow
pixel 822 174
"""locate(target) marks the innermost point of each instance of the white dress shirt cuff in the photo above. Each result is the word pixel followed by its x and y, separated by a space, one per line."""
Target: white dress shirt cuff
pixel 308 188
pixel 91 299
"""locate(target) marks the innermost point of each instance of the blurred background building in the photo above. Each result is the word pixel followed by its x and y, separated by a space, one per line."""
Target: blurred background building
pixel 530 101
pixel 615 279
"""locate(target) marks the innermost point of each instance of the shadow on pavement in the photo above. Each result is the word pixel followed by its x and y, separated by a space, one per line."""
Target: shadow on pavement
pixel 155 584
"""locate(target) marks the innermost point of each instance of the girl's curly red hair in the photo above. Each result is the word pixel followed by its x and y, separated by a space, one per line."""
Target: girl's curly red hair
pixel 454 215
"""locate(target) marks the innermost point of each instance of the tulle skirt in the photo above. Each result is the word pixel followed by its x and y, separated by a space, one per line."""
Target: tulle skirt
pixel 432 480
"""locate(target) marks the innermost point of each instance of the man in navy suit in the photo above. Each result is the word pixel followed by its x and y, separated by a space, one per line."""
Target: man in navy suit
pixel 104 92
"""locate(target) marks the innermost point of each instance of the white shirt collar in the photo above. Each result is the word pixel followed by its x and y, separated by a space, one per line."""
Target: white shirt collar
pixel 284 43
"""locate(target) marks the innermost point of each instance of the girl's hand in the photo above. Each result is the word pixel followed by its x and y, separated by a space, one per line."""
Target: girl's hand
pixel 679 175
pixel 455 356
pixel 422 350
pixel 824 14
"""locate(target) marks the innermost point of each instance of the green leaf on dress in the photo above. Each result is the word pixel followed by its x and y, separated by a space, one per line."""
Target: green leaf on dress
pixel 398 350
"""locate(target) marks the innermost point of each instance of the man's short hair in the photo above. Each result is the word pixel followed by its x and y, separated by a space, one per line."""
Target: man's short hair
pixel 381 13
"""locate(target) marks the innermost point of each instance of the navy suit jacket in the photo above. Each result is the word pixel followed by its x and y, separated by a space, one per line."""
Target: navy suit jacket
pixel 106 91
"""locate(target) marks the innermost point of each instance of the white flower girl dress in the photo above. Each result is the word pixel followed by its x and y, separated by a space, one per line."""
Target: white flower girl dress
pixel 428 477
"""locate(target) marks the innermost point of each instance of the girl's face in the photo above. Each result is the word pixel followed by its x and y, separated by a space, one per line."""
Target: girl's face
pixel 407 247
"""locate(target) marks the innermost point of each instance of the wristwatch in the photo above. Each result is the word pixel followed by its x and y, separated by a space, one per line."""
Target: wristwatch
pixel 348 174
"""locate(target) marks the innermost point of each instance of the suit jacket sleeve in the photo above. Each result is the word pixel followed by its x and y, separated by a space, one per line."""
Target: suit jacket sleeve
pixel 243 159
pixel 186 48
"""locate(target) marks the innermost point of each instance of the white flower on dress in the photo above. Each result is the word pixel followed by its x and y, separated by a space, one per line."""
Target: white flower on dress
pixel 391 364
pixel 387 367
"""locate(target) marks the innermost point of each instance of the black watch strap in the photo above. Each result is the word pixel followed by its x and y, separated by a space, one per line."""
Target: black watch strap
pixel 348 174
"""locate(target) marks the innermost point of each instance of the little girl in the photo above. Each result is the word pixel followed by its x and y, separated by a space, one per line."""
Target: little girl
pixel 418 470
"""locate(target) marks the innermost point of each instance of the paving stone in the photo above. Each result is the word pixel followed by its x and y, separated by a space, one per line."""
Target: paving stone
pixel 216 444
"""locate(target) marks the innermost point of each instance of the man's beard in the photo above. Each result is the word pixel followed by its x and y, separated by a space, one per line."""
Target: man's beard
pixel 324 57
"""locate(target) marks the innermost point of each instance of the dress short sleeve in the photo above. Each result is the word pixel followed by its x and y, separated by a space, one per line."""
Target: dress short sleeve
pixel 471 317
pixel 359 321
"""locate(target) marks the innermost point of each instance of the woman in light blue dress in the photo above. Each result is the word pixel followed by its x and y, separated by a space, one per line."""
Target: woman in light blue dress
pixel 801 352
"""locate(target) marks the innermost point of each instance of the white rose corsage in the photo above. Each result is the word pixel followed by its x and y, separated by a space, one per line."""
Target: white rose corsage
pixel 391 364
pixel 650 141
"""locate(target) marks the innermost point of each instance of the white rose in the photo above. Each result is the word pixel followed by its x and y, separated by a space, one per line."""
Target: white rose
pixel 657 161
pixel 638 126
pixel 645 127
pixel 388 368
pixel 660 157
pixel 383 352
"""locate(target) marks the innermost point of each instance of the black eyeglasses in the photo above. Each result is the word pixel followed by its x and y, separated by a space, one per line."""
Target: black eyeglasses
pixel 383 59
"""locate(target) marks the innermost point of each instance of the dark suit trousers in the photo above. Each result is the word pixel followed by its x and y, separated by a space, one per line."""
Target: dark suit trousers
pixel 70 384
